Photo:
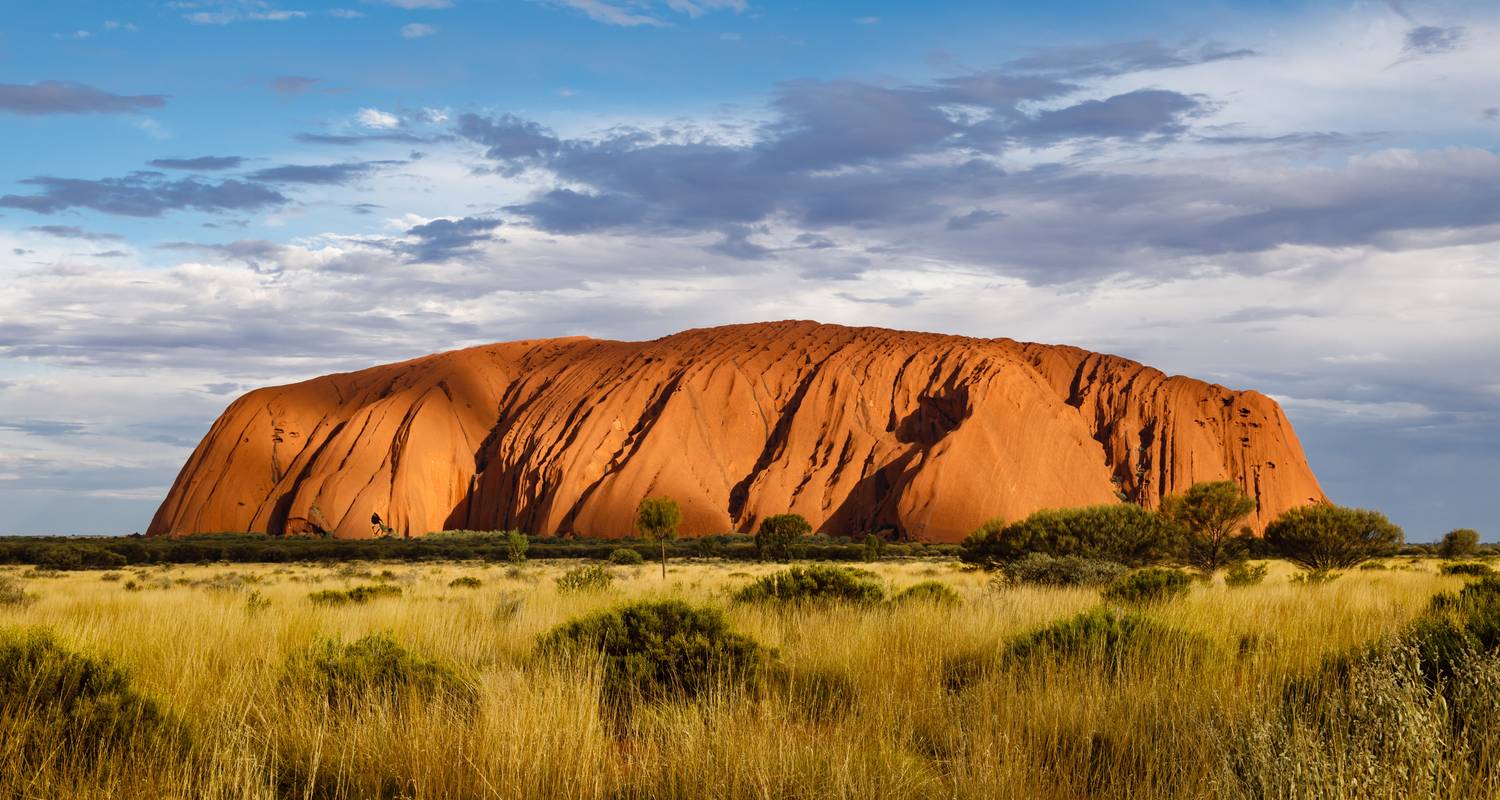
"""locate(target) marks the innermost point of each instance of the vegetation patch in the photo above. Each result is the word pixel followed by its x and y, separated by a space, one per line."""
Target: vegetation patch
pixel 625 556
pixel 932 592
pixel 465 582
pixel 1040 569
pixel 1150 585
pixel 375 667
pixel 1102 637
pixel 812 584
pixel 1466 568
pixel 659 650
pixel 1126 533
pixel 357 595
pixel 13 594
pixel 1245 574
pixel 587 579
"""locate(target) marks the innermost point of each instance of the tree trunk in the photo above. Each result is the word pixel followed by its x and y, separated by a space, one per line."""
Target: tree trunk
pixel 663 558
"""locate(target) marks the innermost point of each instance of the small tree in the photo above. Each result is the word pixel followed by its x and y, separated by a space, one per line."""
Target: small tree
pixel 515 547
pixel 1324 537
pixel 774 539
pixel 1210 515
pixel 656 519
pixel 1460 543
pixel 874 547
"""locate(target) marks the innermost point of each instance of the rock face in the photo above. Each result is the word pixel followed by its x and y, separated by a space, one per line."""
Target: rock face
pixel 856 429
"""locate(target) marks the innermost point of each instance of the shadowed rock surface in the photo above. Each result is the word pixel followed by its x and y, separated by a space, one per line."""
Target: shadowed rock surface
pixel 856 429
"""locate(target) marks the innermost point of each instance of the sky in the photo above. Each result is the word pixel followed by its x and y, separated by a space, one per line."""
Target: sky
pixel 200 197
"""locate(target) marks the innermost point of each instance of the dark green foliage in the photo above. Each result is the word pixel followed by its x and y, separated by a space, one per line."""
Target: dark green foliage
pixel 812 584
pixel 1125 533
pixel 625 556
pixel 357 595
pixel 1245 574
pixel 1326 537
pixel 1210 516
pixel 73 705
pixel 515 547
pixel 1043 570
pixel 656 519
pixel 465 582
pixel 874 547
pixel 1459 543
pixel 375 667
pixel 591 578
pixel 1315 577
pixel 1466 568
pixel 777 534
pixel 1149 585
pixel 1105 638
pixel 659 650
pixel 934 592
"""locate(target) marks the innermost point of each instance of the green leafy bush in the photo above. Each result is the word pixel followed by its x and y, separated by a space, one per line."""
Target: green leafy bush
pixel 1314 577
pixel 1466 568
pixel 812 584
pixel 516 544
pixel 658 650
pixel 465 582
pixel 874 548
pixel 934 592
pixel 591 578
pixel 1125 533
pixel 1150 585
pixel 1102 637
pixel 375 667
pixel 57 703
pixel 1328 537
pixel 776 535
pixel 1459 543
pixel 626 556
pixel 1043 570
pixel 1245 574
pixel 357 595
pixel 1210 516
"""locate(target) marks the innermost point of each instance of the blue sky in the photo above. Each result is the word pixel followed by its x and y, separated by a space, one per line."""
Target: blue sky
pixel 204 196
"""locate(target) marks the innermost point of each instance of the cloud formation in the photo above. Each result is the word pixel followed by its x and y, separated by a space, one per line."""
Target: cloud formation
pixel 142 194
pixel 56 97
pixel 199 164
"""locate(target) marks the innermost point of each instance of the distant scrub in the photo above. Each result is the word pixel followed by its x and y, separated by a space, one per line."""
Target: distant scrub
pixel 375 667
pixel 12 593
pixel 1040 569
pixel 1102 637
pixel 625 556
pixel 1150 585
pixel 933 592
pixel 1466 568
pixel 1126 533
pixel 659 650
pixel 357 595
pixel 465 582
pixel 1245 574
pixel 591 578
pixel 812 584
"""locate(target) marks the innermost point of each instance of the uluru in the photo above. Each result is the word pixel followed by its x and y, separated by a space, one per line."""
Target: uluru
pixel 917 435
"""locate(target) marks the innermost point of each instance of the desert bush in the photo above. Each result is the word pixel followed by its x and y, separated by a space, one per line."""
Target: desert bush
pixel 1126 533
pixel 1101 637
pixel 255 602
pixel 465 582
pixel 1459 543
pixel 1150 585
pixel 776 535
pixel 1210 516
pixel 1373 566
pixel 1314 577
pixel 1245 574
pixel 812 584
pixel 357 595
pixel 374 667
pixel 659 650
pixel 516 545
pixel 591 578
pixel 1466 568
pixel 55 703
pixel 1327 537
pixel 873 548
pixel 1044 570
pixel 934 592
pixel 12 593
pixel 656 520
pixel 626 556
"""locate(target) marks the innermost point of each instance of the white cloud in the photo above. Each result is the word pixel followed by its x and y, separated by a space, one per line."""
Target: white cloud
pixel 375 118
pixel 417 30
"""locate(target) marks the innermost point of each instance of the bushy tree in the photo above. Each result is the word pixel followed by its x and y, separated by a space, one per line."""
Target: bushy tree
pixel 625 556
pixel 515 547
pixel 874 547
pixel 1460 543
pixel 774 538
pixel 1211 515
pixel 1149 585
pixel 656 519
pixel 1043 570
pixel 1325 536
pixel 1126 533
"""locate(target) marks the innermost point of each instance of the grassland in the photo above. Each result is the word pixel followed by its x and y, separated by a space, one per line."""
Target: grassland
pixel 873 710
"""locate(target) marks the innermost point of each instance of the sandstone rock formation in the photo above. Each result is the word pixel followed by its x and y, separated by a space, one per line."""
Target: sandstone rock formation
pixel 856 429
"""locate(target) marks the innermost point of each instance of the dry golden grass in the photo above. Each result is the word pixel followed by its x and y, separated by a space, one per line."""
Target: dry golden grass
pixel 1176 727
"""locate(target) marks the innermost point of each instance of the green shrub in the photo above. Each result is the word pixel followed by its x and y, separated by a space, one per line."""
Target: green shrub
pixel 1102 637
pixel 1466 568
pixel 591 578
pixel 12 594
pixel 1314 577
pixel 1373 566
pixel 777 534
pixel 934 592
pixel 812 584
pixel 1210 516
pixel 626 556
pixel 874 548
pixel 375 667
pixel 1126 533
pixel 357 595
pixel 1150 585
pixel 1043 570
pixel 1245 574
pixel 1329 537
pixel 658 650
pixel 1459 543
pixel 57 703
pixel 516 544
pixel 465 582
